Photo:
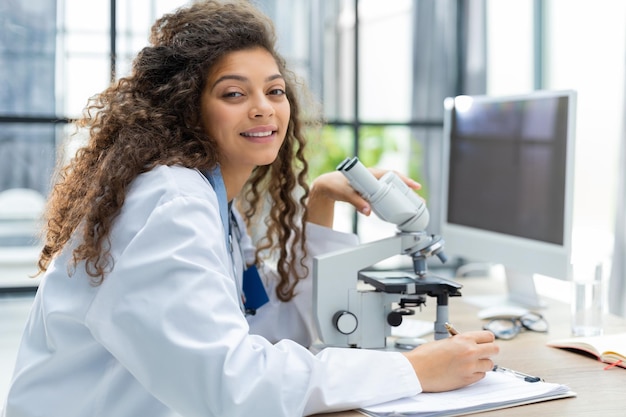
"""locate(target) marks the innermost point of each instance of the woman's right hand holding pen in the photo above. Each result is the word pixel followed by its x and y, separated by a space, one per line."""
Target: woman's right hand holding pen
pixel 454 362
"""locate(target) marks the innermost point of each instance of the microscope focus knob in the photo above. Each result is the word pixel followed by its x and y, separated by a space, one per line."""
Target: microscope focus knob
pixel 394 319
pixel 345 322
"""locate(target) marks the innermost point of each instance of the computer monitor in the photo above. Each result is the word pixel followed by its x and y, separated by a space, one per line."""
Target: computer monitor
pixel 508 171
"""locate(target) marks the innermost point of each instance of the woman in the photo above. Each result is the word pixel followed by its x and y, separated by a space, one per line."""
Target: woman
pixel 142 309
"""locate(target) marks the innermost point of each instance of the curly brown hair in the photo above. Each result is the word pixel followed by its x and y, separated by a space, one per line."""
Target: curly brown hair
pixel 152 117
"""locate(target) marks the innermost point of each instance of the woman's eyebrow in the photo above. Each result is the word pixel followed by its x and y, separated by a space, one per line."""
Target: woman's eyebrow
pixel 243 79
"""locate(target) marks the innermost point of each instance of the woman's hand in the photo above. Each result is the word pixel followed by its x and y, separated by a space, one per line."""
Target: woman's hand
pixel 334 186
pixel 454 362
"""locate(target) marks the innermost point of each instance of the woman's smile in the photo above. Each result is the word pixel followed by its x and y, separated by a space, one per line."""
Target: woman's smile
pixel 260 134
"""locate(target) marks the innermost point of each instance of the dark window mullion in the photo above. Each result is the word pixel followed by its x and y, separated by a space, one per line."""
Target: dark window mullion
pixel 113 38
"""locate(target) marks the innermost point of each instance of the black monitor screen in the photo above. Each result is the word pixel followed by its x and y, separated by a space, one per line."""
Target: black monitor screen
pixel 507 166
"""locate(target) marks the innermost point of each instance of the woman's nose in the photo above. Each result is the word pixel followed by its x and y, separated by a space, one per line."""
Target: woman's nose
pixel 261 107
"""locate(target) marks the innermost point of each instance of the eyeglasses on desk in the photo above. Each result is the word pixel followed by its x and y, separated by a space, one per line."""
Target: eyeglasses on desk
pixel 508 328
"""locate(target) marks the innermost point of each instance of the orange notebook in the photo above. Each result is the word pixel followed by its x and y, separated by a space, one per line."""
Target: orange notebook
pixel 609 349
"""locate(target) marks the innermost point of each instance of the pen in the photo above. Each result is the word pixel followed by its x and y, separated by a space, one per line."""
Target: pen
pixel 525 377
pixel 450 328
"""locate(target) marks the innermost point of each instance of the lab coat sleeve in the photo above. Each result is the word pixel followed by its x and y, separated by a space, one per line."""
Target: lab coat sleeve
pixel 169 313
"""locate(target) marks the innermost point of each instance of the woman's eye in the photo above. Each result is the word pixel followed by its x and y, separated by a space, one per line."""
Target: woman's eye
pixel 277 92
pixel 232 94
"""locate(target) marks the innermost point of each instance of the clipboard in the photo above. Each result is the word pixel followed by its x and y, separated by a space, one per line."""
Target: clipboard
pixel 496 391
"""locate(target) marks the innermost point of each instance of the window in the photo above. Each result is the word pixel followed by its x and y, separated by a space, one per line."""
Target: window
pixel 54 55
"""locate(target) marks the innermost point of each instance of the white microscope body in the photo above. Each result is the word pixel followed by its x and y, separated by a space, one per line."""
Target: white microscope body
pixel 349 316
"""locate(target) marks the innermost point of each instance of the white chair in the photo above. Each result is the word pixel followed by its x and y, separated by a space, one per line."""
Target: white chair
pixel 21 204
pixel 21 211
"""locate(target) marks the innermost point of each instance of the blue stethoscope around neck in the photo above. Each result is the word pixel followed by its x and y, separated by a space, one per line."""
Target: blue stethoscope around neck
pixel 217 182
pixel 254 294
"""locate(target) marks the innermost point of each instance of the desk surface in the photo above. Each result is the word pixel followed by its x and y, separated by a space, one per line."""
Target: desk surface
pixel 600 392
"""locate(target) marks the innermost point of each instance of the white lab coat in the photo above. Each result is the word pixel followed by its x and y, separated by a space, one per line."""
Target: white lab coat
pixel 164 334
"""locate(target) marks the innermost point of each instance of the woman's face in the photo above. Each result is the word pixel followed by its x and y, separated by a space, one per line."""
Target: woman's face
pixel 245 109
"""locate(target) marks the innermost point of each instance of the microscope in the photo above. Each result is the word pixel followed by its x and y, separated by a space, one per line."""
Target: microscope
pixel 350 313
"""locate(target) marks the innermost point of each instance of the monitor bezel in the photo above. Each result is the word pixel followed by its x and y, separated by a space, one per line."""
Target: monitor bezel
pixel 523 255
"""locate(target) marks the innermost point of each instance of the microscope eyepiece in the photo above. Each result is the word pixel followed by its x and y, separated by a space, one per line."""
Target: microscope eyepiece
pixel 391 199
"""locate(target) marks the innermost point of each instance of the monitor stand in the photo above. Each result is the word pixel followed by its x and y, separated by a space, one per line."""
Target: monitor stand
pixel 520 292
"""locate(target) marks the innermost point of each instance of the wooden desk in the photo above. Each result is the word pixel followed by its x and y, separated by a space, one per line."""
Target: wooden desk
pixel 600 392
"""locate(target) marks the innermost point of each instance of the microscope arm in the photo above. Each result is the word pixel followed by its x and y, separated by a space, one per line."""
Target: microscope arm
pixel 335 282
